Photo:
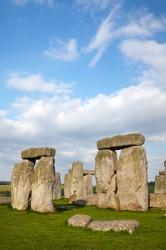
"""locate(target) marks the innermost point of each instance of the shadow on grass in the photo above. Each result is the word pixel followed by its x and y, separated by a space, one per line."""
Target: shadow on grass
pixel 66 207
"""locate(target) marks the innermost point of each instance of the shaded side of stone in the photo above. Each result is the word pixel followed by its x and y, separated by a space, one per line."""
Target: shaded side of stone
pixel 37 153
pixel 21 184
pixel 67 185
pixel 132 179
pixel 57 187
pixel 87 188
pixel 42 187
pixel 121 141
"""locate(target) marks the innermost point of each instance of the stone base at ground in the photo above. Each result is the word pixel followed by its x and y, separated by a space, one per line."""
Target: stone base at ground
pixel 91 200
pixel 5 200
pixel 115 225
pixel 158 200
pixel 79 220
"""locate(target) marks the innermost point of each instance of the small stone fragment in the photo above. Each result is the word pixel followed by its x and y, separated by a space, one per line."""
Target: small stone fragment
pixel 79 220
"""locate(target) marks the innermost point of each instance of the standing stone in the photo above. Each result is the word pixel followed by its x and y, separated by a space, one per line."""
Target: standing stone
pixel 132 179
pixel 77 180
pixel 42 187
pixel 57 187
pixel 67 185
pixel 21 184
pixel 87 188
pixel 105 166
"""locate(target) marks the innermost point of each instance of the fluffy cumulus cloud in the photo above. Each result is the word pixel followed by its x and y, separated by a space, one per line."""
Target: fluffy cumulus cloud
pixel 72 125
pixel 23 2
pixel 140 24
pixel 60 50
pixel 36 83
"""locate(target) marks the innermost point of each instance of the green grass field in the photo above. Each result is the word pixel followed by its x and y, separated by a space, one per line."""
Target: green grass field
pixel 5 189
pixel 30 230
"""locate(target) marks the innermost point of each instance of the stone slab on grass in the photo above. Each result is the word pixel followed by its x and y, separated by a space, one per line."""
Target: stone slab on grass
pixel 79 220
pixel 115 225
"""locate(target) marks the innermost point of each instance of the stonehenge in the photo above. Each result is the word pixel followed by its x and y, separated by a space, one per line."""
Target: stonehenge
pixel 34 184
pixel 158 198
pixel 122 183
pixel 121 179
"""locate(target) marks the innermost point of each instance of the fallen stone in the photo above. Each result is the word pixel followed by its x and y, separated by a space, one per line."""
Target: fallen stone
pixel 21 184
pixel 132 179
pixel 115 225
pixel 121 141
pixel 79 220
pixel 42 187
pixel 37 153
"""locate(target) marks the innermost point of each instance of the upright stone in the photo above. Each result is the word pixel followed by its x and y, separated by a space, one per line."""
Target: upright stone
pixel 21 184
pixel 132 179
pixel 87 188
pixel 42 187
pixel 57 187
pixel 106 161
pixel 77 180
pixel 106 165
pixel 67 185
pixel 160 182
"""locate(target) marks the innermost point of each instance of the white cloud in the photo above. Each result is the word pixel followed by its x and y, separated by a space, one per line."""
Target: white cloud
pixel 73 126
pixel 94 4
pixel 149 52
pixel 65 51
pixel 36 83
pixel 23 2
pixel 139 24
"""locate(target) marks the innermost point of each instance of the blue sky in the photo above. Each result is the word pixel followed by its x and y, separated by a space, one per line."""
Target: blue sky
pixel 75 71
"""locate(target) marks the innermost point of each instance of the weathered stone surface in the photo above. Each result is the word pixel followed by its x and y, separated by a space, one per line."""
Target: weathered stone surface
pixel 67 185
pixel 87 185
pixel 92 200
pixel 21 184
pixel 132 179
pixel 37 153
pixel 77 180
pixel 115 225
pixel 106 164
pixel 121 141
pixel 160 184
pixel 158 200
pixel 5 200
pixel 42 187
pixel 88 172
pixel 79 220
pixel 57 187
